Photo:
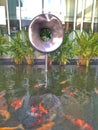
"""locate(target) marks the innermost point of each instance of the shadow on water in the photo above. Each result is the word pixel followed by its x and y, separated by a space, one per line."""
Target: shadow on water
pixel 69 102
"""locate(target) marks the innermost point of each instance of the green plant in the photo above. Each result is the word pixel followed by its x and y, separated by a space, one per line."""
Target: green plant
pixel 3 45
pixel 29 53
pixel 65 52
pixel 20 47
pixel 86 46
pixel 45 34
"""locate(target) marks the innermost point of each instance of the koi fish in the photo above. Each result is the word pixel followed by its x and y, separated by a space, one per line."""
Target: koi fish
pixel 42 109
pixel 17 103
pixel 37 85
pixel 46 126
pixel 12 128
pixel 33 109
pixel 34 112
pixel 64 89
pixel 2 93
pixel 78 122
pixel 70 94
pixel 63 82
pixel 5 113
pixel 39 121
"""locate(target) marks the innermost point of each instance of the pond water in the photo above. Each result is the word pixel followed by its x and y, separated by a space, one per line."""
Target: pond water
pixel 64 98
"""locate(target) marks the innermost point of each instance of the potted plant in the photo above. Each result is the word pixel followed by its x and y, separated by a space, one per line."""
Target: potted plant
pixel 29 53
pixel 85 47
pixel 3 45
pixel 20 48
pixel 65 52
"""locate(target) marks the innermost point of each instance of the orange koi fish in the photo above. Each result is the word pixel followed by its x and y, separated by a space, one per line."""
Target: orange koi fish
pixel 46 126
pixel 78 122
pixel 64 89
pixel 42 109
pixel 5 113
pixel 33 109
pixel 63 82
pixel 12 128
pixel 17 103
pixel 37 85
pixel 70 94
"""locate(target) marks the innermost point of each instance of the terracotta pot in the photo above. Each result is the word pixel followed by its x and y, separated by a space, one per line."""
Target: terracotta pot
pixel 49 62
pixel 29 60
pixel 16 61
pixel 63 63
pixel 81 62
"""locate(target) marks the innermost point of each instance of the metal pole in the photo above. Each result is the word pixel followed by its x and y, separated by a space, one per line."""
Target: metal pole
pixel 75 14
pixel 46 70
pixel 83 3
pixel 93 13
pixel 46 60
pixel 20 27
pixel 8 19
pixel 46 55
pixel 42 6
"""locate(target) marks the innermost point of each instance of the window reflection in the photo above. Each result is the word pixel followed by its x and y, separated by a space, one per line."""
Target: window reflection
pixel 64 9
pixel 2 17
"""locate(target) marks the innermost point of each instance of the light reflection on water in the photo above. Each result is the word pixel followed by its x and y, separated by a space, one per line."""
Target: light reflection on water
pixel 19 81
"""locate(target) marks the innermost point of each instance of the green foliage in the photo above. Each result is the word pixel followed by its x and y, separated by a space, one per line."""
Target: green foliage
pixel 3 45
pixel 65 52
pixel 86 45
pixel 20 46
pixel 45 34
pixel 29 49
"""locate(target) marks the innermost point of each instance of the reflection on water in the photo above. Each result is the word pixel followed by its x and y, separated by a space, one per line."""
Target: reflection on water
pixel 70 101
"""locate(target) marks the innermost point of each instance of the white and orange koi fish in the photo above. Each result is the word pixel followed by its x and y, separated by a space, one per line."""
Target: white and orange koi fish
pixel 38 85
pixel 78 122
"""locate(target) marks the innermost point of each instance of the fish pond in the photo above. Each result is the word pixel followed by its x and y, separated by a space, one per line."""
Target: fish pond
pixel 64 98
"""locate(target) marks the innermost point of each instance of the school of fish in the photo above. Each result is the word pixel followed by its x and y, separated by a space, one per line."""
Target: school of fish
pixel 39 110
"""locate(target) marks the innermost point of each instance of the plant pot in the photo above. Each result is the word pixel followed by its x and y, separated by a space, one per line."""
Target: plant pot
pixel 83 62
pixel 62 63
pixel 16 61
pixel 29 60
pixel 49 62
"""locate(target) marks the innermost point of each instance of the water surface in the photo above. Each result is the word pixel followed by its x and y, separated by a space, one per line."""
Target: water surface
pixel 68 89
